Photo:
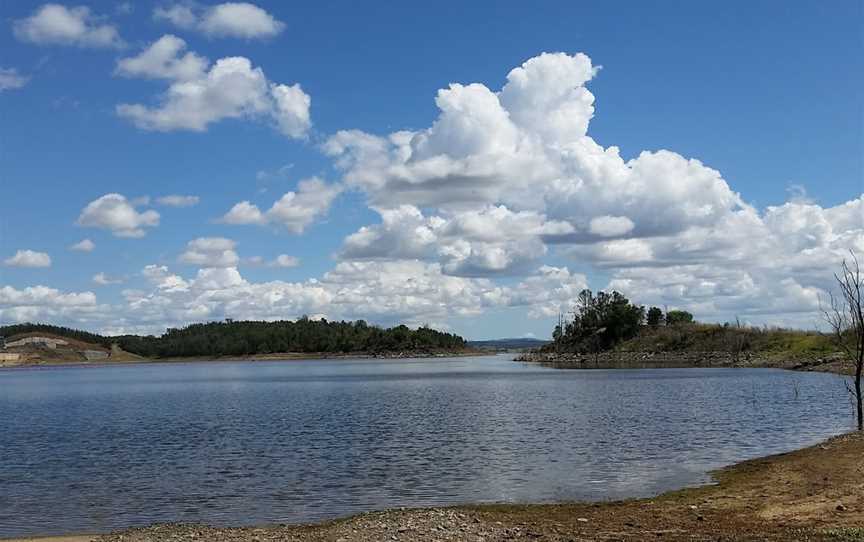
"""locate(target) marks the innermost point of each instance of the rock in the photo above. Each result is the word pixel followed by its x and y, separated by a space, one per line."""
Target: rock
pixel 841 507
pixel 582 520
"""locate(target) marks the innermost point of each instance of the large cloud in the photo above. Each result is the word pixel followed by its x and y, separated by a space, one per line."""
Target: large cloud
pixel 200 93
pixel 527 147
pixel 524 152
pixel 55 24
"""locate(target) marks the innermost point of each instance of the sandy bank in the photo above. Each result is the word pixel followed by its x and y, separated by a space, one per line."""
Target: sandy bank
pixel 814 494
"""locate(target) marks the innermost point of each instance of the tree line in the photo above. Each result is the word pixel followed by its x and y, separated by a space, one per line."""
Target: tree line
pixel 238 338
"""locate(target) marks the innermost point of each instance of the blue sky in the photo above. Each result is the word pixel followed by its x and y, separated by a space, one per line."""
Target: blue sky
pixel 766 93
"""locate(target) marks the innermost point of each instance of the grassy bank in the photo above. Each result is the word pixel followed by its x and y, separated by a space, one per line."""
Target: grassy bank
pixel 705 345
pixel 814 494
pixel 763 342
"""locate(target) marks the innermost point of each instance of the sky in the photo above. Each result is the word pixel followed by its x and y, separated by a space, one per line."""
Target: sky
pixel 470 166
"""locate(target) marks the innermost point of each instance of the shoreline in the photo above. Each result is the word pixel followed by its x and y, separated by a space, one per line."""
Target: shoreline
pixel 683 360
pixel 280 356
pixel 814 493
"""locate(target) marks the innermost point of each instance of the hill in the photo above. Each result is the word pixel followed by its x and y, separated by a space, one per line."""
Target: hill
pixel 252 338
pixel 736 340
pixel 521 343
pixel 38 347
pixel 700 344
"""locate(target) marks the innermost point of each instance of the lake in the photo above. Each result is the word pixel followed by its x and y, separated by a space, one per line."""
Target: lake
pixel 96 448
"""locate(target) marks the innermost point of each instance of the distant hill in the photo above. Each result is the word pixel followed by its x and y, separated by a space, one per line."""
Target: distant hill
pixel 31 347
pixel 507 344
pixel 255 338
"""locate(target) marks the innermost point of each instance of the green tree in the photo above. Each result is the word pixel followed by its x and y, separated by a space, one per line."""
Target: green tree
pixel 678 317
pixel 600 322
pixel 655 316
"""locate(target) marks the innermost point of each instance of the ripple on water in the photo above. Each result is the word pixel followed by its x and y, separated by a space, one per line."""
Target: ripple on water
pixel 241 443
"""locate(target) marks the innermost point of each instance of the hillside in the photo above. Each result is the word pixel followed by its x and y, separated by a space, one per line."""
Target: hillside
pixel 239 339
pixel 698 337
pixel 699 344
pixel 35 348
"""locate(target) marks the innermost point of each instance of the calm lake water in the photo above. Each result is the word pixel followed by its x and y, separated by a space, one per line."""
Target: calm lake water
pixel 97 448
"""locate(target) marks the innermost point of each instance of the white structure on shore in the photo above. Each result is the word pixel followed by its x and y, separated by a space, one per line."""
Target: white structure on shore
pixel 37 341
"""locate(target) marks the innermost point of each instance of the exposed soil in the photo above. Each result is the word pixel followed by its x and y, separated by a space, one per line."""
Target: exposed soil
pixel 812 494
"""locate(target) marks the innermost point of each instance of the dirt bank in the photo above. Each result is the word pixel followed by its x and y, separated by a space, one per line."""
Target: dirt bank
pixel 812 494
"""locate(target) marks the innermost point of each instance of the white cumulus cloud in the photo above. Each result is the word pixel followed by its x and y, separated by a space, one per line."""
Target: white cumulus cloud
pixel 84 245
pixel 28 258
pixel 230 19
pixel 294 211
pixel 55 24
pixel 113 212
pixel 210 252
pixel 164 59
pixel 201 93
pixel 660 225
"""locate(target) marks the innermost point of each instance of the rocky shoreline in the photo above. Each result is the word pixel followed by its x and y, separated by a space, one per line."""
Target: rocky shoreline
pixel 648 360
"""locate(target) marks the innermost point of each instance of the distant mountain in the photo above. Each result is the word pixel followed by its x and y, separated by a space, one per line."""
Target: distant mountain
pixel 507 344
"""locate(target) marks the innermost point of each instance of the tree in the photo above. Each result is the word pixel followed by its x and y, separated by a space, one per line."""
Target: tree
pixel 599 322
pixel 678 317
pixel 845 316
pixel 655 316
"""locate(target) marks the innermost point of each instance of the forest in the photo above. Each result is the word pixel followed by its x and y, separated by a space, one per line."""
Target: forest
pixel 238 338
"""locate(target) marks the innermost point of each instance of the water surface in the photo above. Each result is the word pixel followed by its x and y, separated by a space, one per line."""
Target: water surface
pixel 86 449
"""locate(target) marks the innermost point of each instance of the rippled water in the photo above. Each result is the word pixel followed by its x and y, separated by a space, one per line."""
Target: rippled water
pixel 96 448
